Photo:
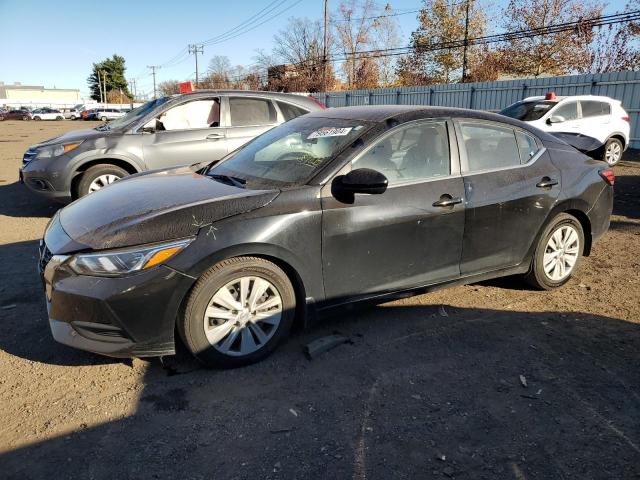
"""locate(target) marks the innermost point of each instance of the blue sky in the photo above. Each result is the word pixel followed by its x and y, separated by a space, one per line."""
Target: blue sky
pixel 54 43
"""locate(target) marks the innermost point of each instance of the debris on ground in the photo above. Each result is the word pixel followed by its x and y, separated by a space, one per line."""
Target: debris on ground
pixel 293 412
pixel 523 381
pixel 8 307
pixel 441 456
pixel 443 312
pixel 323 344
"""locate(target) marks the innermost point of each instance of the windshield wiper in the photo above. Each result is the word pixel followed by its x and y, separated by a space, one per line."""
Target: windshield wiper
pixel 228 179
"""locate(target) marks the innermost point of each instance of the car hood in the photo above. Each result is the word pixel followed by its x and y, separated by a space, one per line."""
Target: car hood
pixel 75 135
pixel 154 207
pixel 583 143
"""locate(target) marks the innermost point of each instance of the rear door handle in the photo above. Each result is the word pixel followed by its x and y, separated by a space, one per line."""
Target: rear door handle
pixel 215 136
pixel 447 200
pixel 547 182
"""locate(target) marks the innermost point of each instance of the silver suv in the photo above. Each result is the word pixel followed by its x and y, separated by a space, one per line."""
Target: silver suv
pixel 170 131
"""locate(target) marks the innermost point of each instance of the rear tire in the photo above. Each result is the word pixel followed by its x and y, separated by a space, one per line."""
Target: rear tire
pixel 104 119
pixel 99 176
pixel 557 254
pixel 256 303
pixel 37 119
pixel 613 151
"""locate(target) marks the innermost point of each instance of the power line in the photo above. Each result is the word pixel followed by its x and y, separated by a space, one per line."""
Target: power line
pixel 153 72
pixel 195 49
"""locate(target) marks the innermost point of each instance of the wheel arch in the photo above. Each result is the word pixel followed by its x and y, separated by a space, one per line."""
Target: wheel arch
pixel 272 253
pixel 618 136
pixel 127 165
pixel 576 208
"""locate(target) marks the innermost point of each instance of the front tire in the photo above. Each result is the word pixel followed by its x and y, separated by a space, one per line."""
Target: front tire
pixel 613 151
pixel 99 176
pixel 238 312
pixel 557 254
pixel 104 119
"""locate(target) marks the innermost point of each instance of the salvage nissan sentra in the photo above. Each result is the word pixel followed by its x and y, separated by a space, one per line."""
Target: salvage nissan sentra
pixel 339 206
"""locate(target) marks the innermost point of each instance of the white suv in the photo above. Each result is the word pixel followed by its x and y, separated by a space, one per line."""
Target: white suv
pixel 602 118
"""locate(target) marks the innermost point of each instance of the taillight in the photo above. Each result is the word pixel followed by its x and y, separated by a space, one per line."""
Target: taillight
pixel 608 176
pixel 626 119
pixel 317 102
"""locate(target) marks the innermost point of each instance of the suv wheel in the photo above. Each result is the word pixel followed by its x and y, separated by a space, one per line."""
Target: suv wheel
pixel 238 312
pixel 104 119
pixel 99 176
pixel 35 118
pixel 557 254
pixel 613 151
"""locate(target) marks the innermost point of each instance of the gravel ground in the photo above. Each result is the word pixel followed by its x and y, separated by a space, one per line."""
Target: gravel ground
pixel 482 381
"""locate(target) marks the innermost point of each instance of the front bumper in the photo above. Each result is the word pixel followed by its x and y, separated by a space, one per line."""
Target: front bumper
pixel 129 316
pixel 41 181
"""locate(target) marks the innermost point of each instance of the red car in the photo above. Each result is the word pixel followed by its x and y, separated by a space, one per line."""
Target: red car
pixel 86 113
pixel 16 115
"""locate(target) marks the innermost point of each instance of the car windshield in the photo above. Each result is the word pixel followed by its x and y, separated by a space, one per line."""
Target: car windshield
pixel 528 111
pixel 135 114
pixel 290 154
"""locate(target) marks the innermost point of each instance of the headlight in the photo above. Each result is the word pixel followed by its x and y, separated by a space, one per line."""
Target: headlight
pixel 56 150
pixel 117 262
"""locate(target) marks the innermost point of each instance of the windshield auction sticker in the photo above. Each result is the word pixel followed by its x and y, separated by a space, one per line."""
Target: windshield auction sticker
pixel 330 132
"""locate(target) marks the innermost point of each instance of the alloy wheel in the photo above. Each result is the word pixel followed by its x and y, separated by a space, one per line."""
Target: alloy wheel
pixel 242 316
pixel 561 253
pixel 612 153
pixel 102 181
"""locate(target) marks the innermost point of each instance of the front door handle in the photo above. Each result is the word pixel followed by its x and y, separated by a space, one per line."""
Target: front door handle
pixel 447 200
pixel 546 182
pixel 215 136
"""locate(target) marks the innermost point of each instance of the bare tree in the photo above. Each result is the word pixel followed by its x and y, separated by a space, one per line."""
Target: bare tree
pixel 169 87
pixel 612 48
pixel 298 50
pixel 355 26
pixel 441 21
pixel 386 35
pixel 549 54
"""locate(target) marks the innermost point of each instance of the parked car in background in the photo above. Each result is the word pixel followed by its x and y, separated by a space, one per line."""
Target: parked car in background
pixel 598 117
pixel 47 114
pixel 71 113
pixel 345 205
pixel 181 130
pixel 16 115
pixel 86 114
pixel 106 114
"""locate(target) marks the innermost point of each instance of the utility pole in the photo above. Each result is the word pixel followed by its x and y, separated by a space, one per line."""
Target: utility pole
pixel 466 42
pixel 195 49
pixel 99 85
pixel 325 46
pixel 153 72
pixel 104 85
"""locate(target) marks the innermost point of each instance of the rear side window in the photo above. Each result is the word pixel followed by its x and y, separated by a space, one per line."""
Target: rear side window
pixel 527 146
pixel 592 108
pixel 489 146
pixel 290 111
pixel 251 111
pixel 568 111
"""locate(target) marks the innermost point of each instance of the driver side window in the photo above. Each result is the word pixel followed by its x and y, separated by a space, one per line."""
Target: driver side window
pixel 414 152
pixel 196 114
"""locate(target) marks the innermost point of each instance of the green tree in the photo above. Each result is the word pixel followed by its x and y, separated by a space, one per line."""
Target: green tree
pixel 112 70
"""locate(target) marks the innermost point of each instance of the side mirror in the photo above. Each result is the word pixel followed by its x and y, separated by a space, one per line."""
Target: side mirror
pixel 555 119
pixel 360 180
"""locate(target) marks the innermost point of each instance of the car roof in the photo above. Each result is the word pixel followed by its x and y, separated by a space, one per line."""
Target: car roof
pixel 561 98
pixel 289 97
pixel 405 113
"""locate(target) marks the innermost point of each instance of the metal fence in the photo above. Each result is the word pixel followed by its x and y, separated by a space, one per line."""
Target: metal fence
pixel 494 96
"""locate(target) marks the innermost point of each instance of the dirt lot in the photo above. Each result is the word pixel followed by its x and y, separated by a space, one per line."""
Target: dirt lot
pixel 429 388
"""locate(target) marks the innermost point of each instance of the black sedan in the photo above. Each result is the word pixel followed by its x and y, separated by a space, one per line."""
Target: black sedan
pixel 339 206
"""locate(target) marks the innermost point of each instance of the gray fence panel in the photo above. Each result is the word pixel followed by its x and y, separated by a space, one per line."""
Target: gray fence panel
pixel 494 96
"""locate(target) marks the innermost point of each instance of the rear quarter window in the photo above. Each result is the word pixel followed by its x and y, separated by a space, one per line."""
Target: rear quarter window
pixel 592 108
pixel 290 111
